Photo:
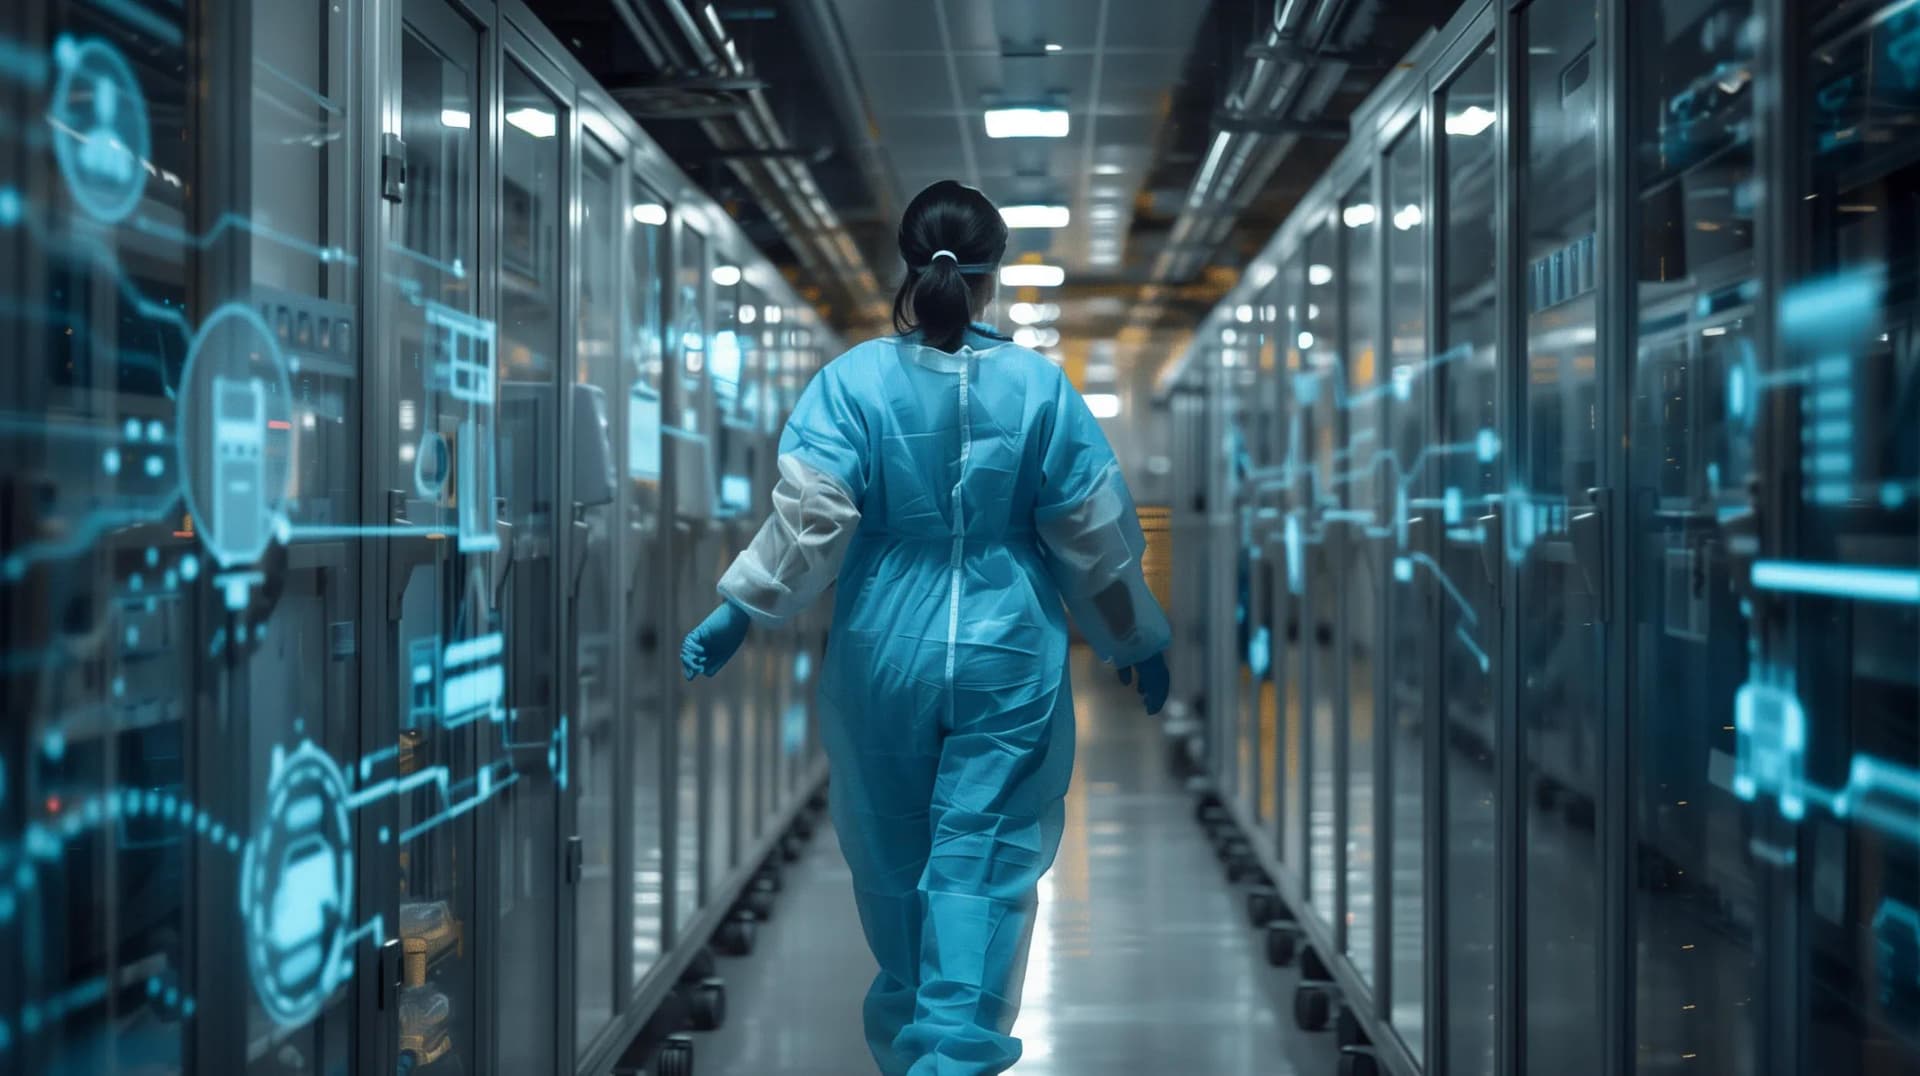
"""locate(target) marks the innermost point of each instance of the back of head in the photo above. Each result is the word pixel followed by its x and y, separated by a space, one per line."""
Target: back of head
pixel 952 239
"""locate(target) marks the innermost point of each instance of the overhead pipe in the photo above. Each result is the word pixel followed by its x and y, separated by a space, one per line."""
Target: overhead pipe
pixel 1285 79
pixel 758 151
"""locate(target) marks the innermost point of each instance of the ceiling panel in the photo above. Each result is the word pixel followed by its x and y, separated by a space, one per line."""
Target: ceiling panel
pixel 1117 62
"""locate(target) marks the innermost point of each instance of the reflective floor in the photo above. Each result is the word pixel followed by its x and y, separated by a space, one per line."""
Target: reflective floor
pixel 1142 959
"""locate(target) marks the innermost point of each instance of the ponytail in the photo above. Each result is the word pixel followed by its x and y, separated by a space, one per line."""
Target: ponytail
pixel 952 239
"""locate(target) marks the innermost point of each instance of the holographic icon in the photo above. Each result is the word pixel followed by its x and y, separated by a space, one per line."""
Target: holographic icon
pixel 1771 735
pixel 296 886
pixel 464 360
pixel 235 431
pixel 423 698
pixel 432 461
pixel 474 680
pixel 239 469
pixel 100 134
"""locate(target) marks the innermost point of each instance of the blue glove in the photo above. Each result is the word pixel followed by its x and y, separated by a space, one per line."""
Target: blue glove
pixel 1154 681
pixel 709 647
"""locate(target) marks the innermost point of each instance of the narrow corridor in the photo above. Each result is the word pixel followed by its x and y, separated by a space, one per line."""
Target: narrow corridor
pixel 1143 961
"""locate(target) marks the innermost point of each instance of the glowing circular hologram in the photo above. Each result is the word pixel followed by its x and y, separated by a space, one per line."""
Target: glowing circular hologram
pixel 296 887
pixel 432 462
pixel 234 431
pixel 100 134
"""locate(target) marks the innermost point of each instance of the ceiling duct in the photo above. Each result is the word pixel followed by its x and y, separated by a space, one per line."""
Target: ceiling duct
pixel 1289 77
pixel 734 113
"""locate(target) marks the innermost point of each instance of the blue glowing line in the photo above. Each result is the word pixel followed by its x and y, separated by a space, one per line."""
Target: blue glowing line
pixel 680 434
pixel 41 425
pixel 1857 582
pixel 453 269
pixel 1452 591
pixel 317 531
pixel 237 222
pixel 485 788
pixel 144 20
pixel 1478 654
pixel 90 529
pixel 312 95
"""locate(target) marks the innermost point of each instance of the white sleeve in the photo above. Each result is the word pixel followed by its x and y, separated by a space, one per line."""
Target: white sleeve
pixel 1095 546
pixel 797 553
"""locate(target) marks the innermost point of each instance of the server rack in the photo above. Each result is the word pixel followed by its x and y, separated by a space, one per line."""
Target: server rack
pixel 1594 730
pixel 344 730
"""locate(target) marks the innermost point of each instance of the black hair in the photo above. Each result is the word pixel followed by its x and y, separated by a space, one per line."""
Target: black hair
pixel 938 295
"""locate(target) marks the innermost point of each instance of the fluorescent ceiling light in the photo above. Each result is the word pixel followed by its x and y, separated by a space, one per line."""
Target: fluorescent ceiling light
pixel 1036 338
pixel 535 122
pixel 1033 313
pixel 1109 169
pixel 1409 218
pixel 1359 215
pixel 1051 47
pixel 1103 404
pixel 1032 276
pixel 456 119
pixel 1243 313
pixel 726 275
pixel 1319 275
pixel 1027 123
pixel 1470 122
pixel 650 213
pixel 1035 216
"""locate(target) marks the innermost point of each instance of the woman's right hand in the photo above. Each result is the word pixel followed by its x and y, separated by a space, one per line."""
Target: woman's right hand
pixel 1152 680
pixel 710 646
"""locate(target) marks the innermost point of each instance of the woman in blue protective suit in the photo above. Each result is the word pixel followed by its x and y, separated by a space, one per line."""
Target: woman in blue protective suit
pixel 958 490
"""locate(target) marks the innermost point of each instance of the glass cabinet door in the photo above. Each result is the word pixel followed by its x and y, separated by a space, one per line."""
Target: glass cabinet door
pixel 180 440
pixel 649 585
pixel 1324 689
pixel 594 390
pixel 1464 570
pixel 689 414
pixel 1849 570
pixel 1370 504
pixel 532 747
pixel 1408 628
pixel 1556 537
pixel 444 639
pixel 1687 497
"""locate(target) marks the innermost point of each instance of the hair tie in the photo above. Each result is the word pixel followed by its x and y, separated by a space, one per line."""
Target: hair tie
pixel 938 254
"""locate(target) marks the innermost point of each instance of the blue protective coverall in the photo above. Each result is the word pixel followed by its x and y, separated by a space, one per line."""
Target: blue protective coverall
pixel 957 499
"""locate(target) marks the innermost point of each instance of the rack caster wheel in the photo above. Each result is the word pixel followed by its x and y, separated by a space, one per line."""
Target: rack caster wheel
pixel 1242 868
pixel 803 827
pixel 1358 1061
pixel 735 936
pixel 707 1004
pixel 675 1057
pixel 769 879
pixel 1283 943
pixel 1312 1006
pixel 1312 966
pixel 1210 812
pixel 790 848
pixel 1346 1028
pixel 1263 905
pixel 702 966
pixel 758 903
